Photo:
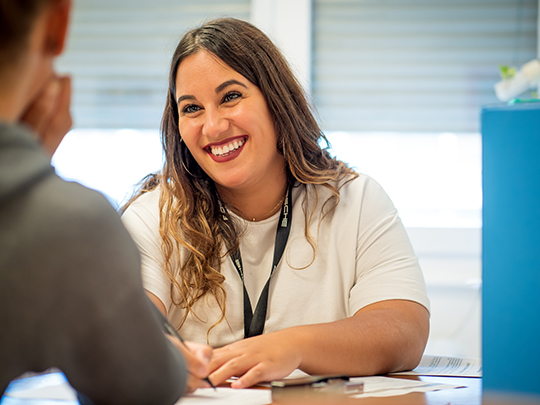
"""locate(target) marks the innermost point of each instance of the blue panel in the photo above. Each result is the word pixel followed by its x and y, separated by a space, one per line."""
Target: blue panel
pixel 511 247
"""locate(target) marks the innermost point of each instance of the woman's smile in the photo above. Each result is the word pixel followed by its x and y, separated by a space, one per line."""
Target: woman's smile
pixel 227 150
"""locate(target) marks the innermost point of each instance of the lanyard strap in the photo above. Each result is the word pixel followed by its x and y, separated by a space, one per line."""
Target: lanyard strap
pixel 254 321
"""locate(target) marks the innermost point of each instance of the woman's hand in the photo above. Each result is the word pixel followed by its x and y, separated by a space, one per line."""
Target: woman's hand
pixel 49 113
pixel 197 357
pixel 260 358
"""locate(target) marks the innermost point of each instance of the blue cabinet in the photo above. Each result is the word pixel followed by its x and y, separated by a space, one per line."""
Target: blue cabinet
pixel 511 248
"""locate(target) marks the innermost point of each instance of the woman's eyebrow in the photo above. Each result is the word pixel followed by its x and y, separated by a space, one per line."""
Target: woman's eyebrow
pixel 185 97
pixel 228 83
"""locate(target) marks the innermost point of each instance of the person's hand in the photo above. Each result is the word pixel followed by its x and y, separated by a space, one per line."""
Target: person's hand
pixel 197 357
pixel 49 115
pixel 260 358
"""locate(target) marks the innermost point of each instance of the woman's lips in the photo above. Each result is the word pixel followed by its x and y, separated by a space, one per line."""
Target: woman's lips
pixel 228 150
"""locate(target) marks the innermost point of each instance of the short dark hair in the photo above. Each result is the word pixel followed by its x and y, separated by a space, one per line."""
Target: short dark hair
pixel 16 21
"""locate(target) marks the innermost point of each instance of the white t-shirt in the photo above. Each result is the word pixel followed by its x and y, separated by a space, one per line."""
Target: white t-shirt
pixel 363 256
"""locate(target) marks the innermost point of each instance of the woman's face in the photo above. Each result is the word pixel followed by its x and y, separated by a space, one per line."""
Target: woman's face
pixel 225 122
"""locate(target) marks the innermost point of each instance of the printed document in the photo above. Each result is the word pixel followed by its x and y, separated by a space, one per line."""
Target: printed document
pixel 447 366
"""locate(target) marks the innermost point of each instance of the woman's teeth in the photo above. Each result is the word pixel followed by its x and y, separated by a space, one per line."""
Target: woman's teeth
pixel 227 149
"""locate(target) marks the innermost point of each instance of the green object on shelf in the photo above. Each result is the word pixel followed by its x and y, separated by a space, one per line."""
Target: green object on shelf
pixel 507 72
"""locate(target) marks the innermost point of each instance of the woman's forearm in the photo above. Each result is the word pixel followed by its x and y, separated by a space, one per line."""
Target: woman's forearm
pixel 383 337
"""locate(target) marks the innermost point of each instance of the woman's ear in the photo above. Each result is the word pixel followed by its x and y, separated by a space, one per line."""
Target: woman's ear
pixel 57 15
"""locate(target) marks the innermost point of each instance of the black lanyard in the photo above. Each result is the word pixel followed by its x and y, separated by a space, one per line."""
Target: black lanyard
pixel 254 321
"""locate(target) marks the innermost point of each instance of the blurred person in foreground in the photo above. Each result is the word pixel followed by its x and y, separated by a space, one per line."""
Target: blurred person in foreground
pixel 71 295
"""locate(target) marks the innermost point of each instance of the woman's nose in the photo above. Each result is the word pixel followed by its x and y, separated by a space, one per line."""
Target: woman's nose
pixel 215 123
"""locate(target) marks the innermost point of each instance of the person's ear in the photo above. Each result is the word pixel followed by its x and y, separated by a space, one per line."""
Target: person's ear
pixel 57 25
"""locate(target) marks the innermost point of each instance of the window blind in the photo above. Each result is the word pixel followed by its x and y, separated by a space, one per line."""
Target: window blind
pixel 415 65
pixel 119 53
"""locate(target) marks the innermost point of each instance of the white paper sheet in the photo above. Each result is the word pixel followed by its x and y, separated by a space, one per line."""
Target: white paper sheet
pixel 228 396
pixel 387 386
pixel 59 392
pixel 447 366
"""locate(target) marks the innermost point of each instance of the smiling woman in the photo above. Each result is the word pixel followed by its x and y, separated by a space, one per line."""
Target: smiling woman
pixel 225 123
pixel 255 239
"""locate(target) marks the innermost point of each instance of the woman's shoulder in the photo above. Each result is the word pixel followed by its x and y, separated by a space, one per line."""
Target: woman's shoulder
pixel 148 200
pixel 145 207
pixel 357 191
pixel 366 189
pixel 355 183
pixel 360 182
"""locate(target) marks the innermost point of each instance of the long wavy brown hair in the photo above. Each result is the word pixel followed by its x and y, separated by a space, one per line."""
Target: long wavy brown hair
pixel 189 204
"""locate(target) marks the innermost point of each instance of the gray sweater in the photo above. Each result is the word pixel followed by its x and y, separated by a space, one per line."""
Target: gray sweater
pixel 71 295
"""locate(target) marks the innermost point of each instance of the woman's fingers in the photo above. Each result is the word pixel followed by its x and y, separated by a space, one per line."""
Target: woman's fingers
pixel 253 376
pixel 197 357
pixel 194 382
pixel 236 366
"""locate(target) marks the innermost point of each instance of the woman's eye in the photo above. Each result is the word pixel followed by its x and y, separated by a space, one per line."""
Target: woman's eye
pixel 190 109
pixel 232 95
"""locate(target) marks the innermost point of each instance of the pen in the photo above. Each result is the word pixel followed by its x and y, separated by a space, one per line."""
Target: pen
pixel 171 331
